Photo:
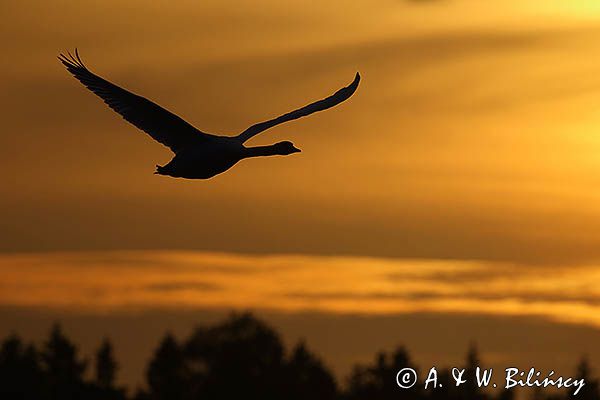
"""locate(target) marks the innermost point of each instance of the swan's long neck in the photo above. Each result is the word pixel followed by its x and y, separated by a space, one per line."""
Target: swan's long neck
pixel 261 151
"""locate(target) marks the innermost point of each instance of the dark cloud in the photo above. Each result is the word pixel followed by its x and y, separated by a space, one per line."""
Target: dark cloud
pixel 470 295
pixel 179 286
pixel 481 274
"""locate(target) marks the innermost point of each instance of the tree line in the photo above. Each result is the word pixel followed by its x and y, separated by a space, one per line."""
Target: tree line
pixel 241 357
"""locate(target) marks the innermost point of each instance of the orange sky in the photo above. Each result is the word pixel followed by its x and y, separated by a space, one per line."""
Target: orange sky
pixel 472 134
pixel 469 154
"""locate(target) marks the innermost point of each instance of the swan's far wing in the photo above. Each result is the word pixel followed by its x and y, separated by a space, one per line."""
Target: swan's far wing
pixel 333 100
pixel 162 125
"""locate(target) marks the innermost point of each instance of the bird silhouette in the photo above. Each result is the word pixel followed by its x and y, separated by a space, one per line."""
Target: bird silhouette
pixel 198 155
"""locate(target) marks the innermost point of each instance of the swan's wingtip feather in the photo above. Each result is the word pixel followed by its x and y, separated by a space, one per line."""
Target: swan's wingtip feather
pixel 354 85
pixel 70 60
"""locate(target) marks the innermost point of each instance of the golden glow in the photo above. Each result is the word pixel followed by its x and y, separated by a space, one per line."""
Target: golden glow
pixel 118 281
pixel 473 135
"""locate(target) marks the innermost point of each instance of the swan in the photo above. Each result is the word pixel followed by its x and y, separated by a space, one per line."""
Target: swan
pixel 198 155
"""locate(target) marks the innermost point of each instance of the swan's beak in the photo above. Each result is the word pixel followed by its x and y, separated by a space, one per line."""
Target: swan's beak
pixel 297 150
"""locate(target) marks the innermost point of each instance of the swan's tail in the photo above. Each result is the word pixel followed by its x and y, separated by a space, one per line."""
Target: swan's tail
pixel 160 170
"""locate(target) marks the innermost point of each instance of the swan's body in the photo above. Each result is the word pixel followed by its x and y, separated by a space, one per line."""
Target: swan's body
pixel 198 155
pixel 217 155
pixel 204 161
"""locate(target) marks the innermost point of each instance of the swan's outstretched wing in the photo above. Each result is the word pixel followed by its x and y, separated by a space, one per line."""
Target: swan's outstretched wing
pixel 335 99
pixel 162 125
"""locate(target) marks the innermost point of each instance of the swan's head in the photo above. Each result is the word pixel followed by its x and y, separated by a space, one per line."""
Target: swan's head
pixel 285 148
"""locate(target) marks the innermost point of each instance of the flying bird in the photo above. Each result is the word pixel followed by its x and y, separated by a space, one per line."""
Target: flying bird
pixel 198 155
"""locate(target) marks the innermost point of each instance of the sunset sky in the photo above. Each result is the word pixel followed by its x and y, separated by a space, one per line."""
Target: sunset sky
pixel 457 191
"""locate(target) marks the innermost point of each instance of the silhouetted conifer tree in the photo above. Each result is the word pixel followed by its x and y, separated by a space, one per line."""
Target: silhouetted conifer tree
pixel 445 389
pixel 63 369
pixel 378 381
pixel 590 390
pixel 506 394
pixel 106 372
pixel 307 378
pixel 470 389
pixel 106 365
pixel 20 373
pixel 167 373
